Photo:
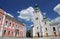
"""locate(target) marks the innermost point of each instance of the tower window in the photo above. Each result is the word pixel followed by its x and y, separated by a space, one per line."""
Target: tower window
pixel 54 29
pixel 45 22
pixel 37 18
pixel 46 29
pixel 16 26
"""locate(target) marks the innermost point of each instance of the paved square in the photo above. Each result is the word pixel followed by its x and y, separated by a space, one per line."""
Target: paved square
pixel 30 38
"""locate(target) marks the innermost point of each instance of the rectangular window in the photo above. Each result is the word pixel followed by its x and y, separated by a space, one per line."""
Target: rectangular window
pixel 6 22
pixel 17 26
pixel 10 23
pixel 0 18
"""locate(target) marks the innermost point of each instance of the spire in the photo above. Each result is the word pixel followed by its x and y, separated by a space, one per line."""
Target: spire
pixel 36 7
pixel 44 17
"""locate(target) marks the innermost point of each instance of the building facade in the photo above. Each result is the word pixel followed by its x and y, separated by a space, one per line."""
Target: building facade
pixel 42 26
pixel 10 27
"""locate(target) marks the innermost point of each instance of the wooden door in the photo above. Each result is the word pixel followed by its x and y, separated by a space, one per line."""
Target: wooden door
pixel 55 34
pixel 46 34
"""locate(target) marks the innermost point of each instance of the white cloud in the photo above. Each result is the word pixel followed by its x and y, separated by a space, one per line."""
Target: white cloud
pixel 32 25
pixel 56 20
pixel 57 9
pixel 26 13
pixel 8 14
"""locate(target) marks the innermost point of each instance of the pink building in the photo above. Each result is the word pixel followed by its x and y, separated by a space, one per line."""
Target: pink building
pixel 10 27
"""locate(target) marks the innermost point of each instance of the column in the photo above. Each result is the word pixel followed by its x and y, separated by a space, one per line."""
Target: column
pixel 6 33
pixel 10 33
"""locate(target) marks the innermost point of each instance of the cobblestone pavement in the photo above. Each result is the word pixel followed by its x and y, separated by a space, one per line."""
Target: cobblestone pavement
pixel 30 38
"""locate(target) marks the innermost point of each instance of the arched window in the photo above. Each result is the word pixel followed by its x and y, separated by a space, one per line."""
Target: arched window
pixel 36 18
pixel 45 22
pixel 46 29
pixel 54 29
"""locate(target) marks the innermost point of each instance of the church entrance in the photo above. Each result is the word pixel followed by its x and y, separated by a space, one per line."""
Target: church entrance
pixel 38 34
pixel 55 34
pixel 46 34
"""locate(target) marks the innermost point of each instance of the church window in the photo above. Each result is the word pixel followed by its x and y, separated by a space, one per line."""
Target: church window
pixel 37 27
pixel 0 18
pixel 54 29
pixel 46 29
pixel 17 26
pixel 10 23
pixel 37 18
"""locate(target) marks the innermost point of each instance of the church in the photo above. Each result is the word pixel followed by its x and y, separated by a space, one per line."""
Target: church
pixel 42 27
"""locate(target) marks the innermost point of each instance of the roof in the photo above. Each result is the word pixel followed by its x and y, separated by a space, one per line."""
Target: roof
pixel 2 11
pixel 11 17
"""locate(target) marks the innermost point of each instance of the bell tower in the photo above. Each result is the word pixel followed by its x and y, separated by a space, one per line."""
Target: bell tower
pixel 37 20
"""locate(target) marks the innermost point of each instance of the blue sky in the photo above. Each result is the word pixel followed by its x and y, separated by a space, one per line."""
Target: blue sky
pixel 12 6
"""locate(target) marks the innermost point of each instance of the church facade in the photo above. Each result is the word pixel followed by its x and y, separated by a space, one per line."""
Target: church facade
pixel 42 26
pixel 10 27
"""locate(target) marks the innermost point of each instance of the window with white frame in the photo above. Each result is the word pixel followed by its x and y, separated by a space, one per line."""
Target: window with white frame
pixel 46 29
pixel 16 26
pixel 10 23
pixel 7 22
pixel 36 18
pixel 0 18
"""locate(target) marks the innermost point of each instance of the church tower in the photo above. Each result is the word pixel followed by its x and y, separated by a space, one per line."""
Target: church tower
pixel 37 20
pixel 42 25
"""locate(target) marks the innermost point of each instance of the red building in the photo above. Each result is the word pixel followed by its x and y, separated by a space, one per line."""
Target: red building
pixel 10 27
